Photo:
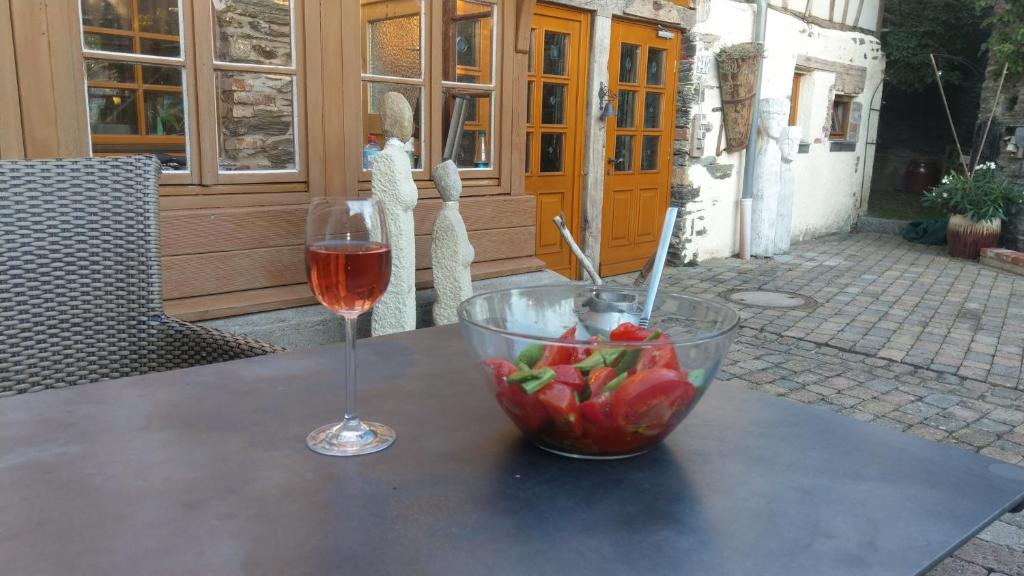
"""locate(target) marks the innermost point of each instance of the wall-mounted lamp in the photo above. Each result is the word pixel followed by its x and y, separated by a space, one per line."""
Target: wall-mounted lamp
pixel 607 102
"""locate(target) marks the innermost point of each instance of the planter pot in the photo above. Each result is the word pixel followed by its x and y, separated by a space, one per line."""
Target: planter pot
pixel 966 237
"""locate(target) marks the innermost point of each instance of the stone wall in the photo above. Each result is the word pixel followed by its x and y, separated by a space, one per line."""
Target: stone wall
pixel 257 124
pixel 689 222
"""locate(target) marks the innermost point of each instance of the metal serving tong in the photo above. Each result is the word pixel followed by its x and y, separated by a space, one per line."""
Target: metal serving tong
pixel 601 313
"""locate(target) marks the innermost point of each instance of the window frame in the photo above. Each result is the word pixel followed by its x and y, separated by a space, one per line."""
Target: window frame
pixel 206 88
pixel 843 134
pixel 794 97
pixel 435 94
pixel 184 62
pixel 426 100
pixel 199 68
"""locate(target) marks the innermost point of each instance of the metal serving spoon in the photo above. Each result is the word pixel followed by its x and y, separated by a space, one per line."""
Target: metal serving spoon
pixel 606 309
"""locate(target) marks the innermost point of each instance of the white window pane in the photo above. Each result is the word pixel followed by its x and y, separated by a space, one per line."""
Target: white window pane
pixel 391 38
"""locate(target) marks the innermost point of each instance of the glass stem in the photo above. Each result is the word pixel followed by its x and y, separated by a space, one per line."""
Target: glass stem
pixel 351 417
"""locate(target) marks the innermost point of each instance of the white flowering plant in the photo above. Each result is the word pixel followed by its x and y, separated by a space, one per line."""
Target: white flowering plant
pixel 981 195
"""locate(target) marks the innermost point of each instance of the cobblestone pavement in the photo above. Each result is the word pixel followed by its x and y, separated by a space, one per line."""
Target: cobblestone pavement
pixel 885 297
pixel 904 337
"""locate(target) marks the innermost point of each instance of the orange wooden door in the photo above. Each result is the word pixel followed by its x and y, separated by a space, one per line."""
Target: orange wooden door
pixel 642 76
pixel 556 82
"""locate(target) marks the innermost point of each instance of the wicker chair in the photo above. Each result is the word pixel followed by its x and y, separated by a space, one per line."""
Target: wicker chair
pixel 80 278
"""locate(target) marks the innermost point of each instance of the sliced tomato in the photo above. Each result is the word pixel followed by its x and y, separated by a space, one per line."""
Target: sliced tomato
pixel 501 370
pixel 560 402
pixel 597 413
pixel 555 354
pixel 599 378
pixel 659 356
pixel 647 401
pixel 569 376
pixel 580 353
pixel 526 410
pixel 629 332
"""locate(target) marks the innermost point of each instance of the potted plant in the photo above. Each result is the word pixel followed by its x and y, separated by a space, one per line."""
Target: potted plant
pixel 977 203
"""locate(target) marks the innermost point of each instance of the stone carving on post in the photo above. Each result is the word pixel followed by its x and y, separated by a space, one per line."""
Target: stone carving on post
pixel 789 146
pixel 393 185
pixel 450 251
pixel 774 114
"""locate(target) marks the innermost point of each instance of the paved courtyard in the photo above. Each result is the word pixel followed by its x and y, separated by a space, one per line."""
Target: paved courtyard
pixel 902 336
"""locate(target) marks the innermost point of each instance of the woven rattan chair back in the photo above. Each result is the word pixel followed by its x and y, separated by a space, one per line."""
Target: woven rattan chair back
pixel 80 275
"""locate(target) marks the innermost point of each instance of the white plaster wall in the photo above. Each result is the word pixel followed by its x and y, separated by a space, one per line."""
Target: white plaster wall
pixel 829 184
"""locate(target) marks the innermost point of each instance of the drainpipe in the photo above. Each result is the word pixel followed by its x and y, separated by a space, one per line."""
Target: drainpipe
pixel 750 162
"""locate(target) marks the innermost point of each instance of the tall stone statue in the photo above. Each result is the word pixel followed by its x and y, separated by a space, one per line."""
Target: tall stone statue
pixel 774 114
pixel 789 146
pixel 450 250
pixel 393 185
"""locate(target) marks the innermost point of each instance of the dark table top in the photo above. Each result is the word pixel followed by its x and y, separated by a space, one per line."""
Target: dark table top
pixel 205 471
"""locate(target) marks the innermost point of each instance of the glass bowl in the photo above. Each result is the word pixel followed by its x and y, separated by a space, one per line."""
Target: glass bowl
pixel 573 370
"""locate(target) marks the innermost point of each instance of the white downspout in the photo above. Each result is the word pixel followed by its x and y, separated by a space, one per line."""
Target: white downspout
pixel 750 162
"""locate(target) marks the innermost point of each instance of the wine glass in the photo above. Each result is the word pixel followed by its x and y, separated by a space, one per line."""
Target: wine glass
pixel 348 262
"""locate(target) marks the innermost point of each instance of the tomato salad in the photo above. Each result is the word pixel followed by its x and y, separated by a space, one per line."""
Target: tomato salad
pixel 597 399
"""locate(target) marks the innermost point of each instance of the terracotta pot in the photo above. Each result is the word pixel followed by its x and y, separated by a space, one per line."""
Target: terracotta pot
pixel 966 237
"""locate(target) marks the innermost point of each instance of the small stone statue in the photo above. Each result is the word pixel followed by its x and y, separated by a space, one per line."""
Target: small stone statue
pixel 393 185
pixel 789 145
pixel 774 114
pixel 451 253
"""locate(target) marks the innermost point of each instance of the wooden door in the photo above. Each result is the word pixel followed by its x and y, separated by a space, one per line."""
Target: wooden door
pixel 556 82
pixel 642 77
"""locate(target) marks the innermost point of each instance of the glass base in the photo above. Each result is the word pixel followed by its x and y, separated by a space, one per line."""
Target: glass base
pixel 589 456
pixel 350 438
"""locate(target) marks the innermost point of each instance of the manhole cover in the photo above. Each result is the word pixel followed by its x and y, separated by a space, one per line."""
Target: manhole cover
pixel 769 299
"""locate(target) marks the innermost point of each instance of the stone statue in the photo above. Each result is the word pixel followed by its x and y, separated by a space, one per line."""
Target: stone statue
pixel 393 185
pixel 450 250
pixel 789 146
pixel 774 115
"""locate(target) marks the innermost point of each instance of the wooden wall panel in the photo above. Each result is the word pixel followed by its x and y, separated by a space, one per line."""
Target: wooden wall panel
pixel 199 308
pixel 488 245
pixel 35 78
pixel 50 78
pixel 228 229
pixel 11 143
pixel 221 230
pixel 169 203
pixel 219 272
pixel 480 213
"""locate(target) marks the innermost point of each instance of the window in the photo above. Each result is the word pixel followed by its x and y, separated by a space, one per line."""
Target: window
pixel 135 78
pixel 839 124
pixel 145 93
pixel 398 44
pixel 794 99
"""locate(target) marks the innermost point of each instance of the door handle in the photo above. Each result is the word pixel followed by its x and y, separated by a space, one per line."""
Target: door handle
pixel 611 160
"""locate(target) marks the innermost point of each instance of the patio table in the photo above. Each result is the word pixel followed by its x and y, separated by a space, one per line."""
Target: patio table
pixel 205 471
